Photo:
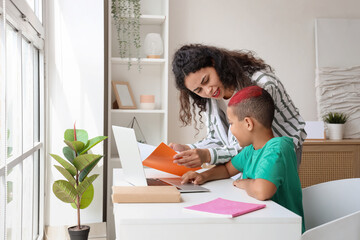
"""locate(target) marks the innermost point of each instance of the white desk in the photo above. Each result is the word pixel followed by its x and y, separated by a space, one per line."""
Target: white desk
pixel 169 222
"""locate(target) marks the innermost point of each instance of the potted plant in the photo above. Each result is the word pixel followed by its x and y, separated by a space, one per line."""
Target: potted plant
pixel 126 15
pixel 335 124
pixel 77 189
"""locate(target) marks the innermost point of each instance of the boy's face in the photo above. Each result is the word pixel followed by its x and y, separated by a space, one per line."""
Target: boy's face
pixel 239 128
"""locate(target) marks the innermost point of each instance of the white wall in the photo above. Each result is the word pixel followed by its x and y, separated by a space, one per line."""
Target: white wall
pixel 279 31
pixel 75 65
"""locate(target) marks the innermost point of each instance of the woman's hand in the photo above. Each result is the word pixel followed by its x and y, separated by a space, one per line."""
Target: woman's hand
pixel 192 177
pixel 192 158
pixel 179 147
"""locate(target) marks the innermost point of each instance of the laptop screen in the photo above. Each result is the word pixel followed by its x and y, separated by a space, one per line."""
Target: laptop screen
pixel 129 155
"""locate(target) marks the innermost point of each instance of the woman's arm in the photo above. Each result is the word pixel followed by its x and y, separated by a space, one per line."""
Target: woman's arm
pixel 217 148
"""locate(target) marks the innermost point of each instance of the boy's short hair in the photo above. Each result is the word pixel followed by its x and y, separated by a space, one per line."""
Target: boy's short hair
pixel 254 102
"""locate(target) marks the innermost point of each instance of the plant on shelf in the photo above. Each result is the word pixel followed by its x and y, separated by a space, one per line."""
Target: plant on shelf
pixel 77 189
pixel 126 15
pixel 335 118
pixel 335 124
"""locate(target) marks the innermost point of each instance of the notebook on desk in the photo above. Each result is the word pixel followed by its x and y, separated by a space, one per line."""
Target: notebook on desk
pixel 133 168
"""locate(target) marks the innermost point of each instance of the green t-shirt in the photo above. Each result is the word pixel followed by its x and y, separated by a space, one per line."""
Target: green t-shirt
pixel 275 162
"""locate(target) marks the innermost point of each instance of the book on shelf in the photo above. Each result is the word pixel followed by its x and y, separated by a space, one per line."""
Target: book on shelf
pixel 224 208
pixel 162 159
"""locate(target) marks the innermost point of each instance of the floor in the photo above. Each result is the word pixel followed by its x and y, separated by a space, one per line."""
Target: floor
pixel 97 232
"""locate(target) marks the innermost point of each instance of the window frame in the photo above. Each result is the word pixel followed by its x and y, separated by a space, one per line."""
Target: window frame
pixel 22 18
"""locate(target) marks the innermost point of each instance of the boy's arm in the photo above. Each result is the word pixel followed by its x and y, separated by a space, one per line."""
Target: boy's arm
pixel 218 172
pixel 259 188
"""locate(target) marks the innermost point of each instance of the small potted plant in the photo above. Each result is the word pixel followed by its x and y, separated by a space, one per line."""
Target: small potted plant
pixel 335 124
pixel 77 189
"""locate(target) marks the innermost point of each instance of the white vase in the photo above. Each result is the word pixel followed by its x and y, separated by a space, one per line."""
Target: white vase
pixel 153 45
pixel 335 131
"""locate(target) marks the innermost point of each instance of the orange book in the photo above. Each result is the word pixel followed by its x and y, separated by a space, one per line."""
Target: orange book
pixel 162 159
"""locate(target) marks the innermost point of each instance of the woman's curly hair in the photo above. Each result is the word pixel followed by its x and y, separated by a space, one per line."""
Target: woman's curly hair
pixel 234 69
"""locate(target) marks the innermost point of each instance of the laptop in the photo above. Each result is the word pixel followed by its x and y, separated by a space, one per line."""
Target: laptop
pixel 133 169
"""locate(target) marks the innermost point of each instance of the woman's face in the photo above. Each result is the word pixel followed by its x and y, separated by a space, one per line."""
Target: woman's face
pixel 206 83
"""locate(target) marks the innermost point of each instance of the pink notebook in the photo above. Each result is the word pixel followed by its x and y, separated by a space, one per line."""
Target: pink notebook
pixel 225 208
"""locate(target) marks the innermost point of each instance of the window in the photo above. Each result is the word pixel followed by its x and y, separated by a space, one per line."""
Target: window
pixel 22 121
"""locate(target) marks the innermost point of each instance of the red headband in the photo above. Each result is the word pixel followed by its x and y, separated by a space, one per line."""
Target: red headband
pixel 245 93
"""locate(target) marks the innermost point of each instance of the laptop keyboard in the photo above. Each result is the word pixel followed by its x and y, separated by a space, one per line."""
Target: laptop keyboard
pixel 156 182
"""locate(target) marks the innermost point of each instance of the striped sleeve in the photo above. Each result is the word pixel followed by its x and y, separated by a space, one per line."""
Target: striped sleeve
pixel 219 152
pixel 221 149
pixel 287 119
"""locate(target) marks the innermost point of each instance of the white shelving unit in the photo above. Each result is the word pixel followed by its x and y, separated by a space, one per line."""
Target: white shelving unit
pixel 152 79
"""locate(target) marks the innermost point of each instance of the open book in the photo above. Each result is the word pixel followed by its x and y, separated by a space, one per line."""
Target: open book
pixel 225 208
pixel 162 159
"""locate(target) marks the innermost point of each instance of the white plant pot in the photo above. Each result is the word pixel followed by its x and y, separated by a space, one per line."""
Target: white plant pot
pixel 335 131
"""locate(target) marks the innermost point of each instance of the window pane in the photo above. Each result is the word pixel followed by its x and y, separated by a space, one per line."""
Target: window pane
pixel 13 208
pixel 31 4
pixel 36 97
pixel 2 204
pixel 38 7
pixel 13 93
pixel 28 194
pixel 36 194
pixel 28 94
pixel 2 99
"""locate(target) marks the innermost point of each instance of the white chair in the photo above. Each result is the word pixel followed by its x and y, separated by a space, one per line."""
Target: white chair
pixel 332 210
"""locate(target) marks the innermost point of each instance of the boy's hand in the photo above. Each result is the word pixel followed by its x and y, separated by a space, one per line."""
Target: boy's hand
pixel 193 177
pixel 239 183
pixel 192 158
pixel 260 189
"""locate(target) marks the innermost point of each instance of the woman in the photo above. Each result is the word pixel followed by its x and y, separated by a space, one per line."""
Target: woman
pixel 207 77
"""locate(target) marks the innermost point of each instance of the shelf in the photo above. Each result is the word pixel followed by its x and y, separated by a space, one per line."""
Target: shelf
pixel 153 78
pixel 152 19
pixel 144 61
pixel 137 111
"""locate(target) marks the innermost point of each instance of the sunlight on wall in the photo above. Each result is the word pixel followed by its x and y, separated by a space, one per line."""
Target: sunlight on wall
pixel 76 83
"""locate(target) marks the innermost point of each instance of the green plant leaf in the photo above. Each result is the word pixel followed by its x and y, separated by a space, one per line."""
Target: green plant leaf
pixel 70 168
pixel 75 145
pixel 81 135
pixel 69 154
pixel 88 169
pixel 86 198
pixel 66 174
pixel 82 161
pixel 92 142
pixel 64 191
pixel 335 117
pixel 9 151
pixel 9 190
pixel 85 184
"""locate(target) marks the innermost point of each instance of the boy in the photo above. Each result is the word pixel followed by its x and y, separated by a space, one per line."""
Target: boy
pixel 268 164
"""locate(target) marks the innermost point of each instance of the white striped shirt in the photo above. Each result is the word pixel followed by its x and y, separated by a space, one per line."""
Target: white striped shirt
pixel 287 120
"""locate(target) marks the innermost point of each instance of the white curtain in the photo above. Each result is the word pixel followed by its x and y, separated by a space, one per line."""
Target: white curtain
pixel 338 89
